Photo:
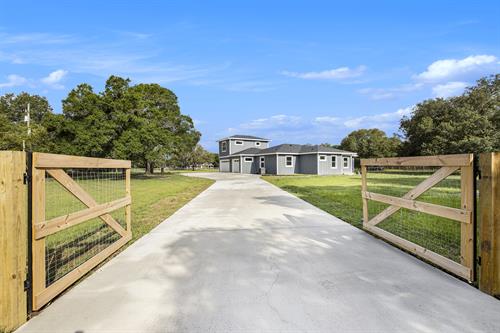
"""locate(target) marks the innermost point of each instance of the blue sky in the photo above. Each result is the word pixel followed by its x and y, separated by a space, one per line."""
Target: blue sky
pixel 292 71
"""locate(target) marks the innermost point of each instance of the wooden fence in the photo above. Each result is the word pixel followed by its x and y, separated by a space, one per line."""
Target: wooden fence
pixel 448 164
pixel 26 184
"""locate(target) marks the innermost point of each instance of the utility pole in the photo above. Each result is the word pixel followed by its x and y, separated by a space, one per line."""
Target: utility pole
pixel 27 119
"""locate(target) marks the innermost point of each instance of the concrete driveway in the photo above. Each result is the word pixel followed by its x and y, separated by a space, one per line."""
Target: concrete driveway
pixel 245 256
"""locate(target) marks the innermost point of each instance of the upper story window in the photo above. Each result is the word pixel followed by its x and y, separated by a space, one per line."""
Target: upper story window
pixel 322 157
pixel 289 161
pixel 334 162
pixel 257 143
pixel 238 143
pixel 223 146
pixel 346 162
pixel 248 159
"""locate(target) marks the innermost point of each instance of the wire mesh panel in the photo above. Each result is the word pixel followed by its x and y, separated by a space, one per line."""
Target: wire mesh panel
pixel 81 215
pixel 437 226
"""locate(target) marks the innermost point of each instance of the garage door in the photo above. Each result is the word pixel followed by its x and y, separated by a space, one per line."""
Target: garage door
pixel 224 166
pixel 236 165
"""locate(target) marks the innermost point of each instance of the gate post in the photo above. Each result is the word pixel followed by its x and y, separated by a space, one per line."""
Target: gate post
pixel 489 208
pixel 13 239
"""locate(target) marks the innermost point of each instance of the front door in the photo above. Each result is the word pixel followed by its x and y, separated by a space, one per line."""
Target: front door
pixel 236 165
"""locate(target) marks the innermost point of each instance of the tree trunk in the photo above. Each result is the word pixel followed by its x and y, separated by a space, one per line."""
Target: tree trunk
pixel 162 170
pixel 151 168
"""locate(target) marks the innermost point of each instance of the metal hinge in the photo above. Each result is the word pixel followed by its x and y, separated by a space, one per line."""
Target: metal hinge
pixel 478 260
pixel 26 178
pixel 27 285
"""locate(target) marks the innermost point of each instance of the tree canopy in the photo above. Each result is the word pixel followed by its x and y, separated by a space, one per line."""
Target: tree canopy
pixel 371 143
pixel 142 123
pixel 469 123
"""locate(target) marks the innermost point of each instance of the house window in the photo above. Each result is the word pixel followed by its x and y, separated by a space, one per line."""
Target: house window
pixel 238 143
pixel 257 144
pixel 334 162
pixel 289 161
pixel 346 162
pixel 223 146
pixel 248 159
pixel 262 162
pixel 322 157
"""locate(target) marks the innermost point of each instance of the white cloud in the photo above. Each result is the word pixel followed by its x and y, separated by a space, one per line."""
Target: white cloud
pixel 452 68
pixel 331 74
pixel 388 93
pixel 382 120
pixel 449 89
pixel 13 80
pixel 327 120
pixel 54 78
pixel 280 120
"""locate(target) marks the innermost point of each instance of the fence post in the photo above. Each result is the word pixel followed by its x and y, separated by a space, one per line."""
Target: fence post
pixel 13 239
pixel 489 219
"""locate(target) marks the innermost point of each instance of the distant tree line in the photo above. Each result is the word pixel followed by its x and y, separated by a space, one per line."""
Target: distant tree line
pixel 141 122
pixel 469 123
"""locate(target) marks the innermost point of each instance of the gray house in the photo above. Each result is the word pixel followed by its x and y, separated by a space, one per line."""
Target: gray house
pixel 251 154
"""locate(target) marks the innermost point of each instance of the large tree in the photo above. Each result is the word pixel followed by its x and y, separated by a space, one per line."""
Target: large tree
pixel 469 123
pixel 371 143
pixel 13 128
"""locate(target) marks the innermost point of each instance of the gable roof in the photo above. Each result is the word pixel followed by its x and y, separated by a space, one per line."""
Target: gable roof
pixel 245 137
pixel 288 148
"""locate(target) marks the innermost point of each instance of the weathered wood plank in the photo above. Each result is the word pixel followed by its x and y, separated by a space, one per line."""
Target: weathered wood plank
pixel 63 222
pixel 489 223
pixel 13 240
pixel 422 252
pixel 44 160
pixel 364 188
pixel 128 208
pixel 438 160
pixel 38 245
pixel 461 215
pixel 467 229
pixel 43 297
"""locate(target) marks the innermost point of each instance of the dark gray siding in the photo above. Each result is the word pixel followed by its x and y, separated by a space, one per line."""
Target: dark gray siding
pixel 225 165
pixel 308 164
pixel 246 144
pixel 270 161
pixel 221 153
pixel 250 167
pixel 283 169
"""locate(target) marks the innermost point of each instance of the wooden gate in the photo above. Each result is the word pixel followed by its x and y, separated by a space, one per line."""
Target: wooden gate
pixel 73 229
pixel 448 164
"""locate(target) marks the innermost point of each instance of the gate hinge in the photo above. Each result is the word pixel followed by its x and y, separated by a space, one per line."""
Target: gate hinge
pixel 26 178
pixel 478 260
pixel 27 285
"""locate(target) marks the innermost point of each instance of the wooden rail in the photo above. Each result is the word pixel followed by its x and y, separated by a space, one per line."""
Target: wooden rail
pixel 13 240
pixel 489 219
pixel 464 215
pixel 54 166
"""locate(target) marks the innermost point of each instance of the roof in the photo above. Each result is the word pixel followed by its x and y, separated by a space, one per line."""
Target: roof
pixel 245 137
pixel 287 148
pixel 303 149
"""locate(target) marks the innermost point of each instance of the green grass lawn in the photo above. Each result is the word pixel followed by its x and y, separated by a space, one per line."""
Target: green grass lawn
pixel 154 198
pixel 341 197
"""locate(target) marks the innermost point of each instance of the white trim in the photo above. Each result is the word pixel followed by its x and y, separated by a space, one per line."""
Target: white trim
pixel 241 164
pixel 344 159
pixel 262 160
pixel 334 158
pixel 322 157
pixel 286 161
pixel 245 159
pixel 277 165
pixel 238 143
pixel 247 139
